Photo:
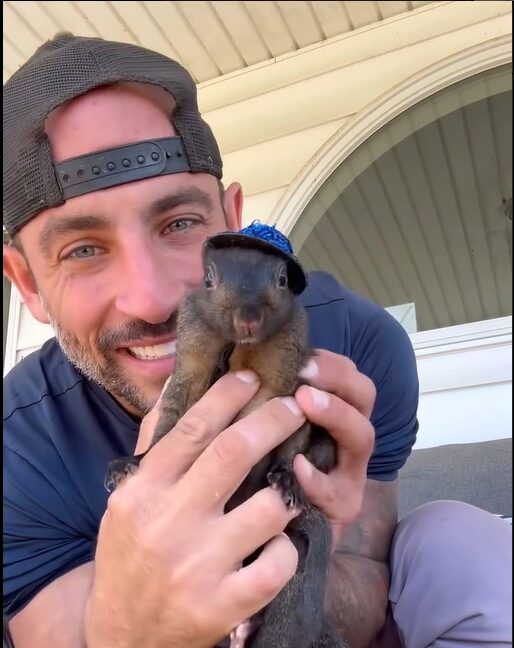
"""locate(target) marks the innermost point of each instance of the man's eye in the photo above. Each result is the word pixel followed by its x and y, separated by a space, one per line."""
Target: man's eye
pixel 178 225
pixel 82 252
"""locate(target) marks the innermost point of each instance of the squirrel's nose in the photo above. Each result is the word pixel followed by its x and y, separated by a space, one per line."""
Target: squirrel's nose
pixel 247 322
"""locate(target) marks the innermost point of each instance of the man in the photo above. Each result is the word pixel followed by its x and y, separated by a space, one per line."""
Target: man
pixel 112 181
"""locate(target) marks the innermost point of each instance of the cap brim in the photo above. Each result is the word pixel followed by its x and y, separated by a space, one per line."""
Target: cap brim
pixel 297 277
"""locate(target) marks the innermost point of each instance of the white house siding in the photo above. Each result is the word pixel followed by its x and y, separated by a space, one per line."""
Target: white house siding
pixel 271 119
pixel 465 375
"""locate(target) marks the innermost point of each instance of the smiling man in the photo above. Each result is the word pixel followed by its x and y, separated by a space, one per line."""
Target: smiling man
pixel 112 182
pixel 112 266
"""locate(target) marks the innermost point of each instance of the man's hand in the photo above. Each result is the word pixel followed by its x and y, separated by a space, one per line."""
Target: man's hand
pixel 343 408
pixel 167 564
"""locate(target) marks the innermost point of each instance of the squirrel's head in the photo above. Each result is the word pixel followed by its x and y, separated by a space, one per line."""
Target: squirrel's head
pixel 245 295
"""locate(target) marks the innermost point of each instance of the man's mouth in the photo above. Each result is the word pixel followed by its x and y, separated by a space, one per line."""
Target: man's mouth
pixel 155 352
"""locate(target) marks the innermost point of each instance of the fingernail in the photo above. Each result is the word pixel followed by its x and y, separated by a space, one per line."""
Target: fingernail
pixel 320 399
pixel 310 370
pixel 246 376
pixel 292 405
pixel 307 468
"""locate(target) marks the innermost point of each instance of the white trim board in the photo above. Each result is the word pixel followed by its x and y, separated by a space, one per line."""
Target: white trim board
pixel 472 332
pixel 468 355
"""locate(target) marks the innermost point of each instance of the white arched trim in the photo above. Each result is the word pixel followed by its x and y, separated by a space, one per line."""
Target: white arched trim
pixel 368 121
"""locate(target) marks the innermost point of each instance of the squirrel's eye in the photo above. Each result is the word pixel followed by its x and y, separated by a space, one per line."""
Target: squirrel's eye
pixel 209 278
pixel 282 278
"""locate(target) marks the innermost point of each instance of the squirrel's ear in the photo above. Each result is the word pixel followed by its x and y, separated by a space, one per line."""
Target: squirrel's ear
pixel 210 277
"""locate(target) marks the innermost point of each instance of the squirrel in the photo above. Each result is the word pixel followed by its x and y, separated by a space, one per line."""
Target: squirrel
pixel 245 316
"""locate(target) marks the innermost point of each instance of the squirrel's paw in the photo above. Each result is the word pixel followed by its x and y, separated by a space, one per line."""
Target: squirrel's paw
pixel 284 480
pixel 239 635
pixel 118 469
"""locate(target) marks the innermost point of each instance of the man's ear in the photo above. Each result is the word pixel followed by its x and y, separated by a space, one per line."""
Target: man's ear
pixel 233 204
pixel 17 271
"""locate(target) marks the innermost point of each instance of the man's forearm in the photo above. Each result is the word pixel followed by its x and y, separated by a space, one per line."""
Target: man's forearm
pixel 356 599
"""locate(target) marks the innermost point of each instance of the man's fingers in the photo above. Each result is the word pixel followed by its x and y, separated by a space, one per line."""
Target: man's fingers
pixel 351 430
pixel 337 374
pixel 230 457
pixel 257 584
pixel 339 494
pixel 148 424
pixel 318 487
pixel 254 522
pixel 174 454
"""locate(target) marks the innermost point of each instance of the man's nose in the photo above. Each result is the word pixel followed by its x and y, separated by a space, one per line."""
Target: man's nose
pixel 146 292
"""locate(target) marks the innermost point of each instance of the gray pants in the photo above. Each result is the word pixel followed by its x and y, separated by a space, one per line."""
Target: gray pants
pixel 451 579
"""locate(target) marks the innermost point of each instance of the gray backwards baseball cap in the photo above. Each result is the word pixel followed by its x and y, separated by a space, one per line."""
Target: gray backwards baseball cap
pixel 64 68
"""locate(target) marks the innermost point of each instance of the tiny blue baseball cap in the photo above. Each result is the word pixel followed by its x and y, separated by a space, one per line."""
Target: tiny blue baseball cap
pixel 268 238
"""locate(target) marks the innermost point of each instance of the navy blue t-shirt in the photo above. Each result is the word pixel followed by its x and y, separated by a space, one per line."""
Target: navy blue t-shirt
pixel 61 430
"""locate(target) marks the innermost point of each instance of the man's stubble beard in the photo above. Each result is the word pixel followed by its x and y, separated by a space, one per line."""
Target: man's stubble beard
pixel 105 370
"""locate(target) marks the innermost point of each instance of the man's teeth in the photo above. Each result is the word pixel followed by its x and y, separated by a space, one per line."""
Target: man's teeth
pixel 153 352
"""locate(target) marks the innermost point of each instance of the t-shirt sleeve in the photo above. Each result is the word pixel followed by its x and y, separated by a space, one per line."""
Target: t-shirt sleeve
pixel 384 353
pixel 41 542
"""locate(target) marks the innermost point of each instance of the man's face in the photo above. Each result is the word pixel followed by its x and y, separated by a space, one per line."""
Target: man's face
pixel 108 269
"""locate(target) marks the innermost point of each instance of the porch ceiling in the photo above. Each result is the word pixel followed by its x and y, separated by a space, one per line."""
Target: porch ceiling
pixel 210 39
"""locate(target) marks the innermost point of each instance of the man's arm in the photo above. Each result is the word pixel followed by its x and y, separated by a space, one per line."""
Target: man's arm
pixel 356 597
pixel 358 580
pixel 55 616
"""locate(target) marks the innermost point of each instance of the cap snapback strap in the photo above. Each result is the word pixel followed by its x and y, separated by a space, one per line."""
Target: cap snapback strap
pixel 115 166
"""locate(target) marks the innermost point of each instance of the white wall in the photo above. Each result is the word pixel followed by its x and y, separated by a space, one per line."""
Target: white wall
pixel 465 376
